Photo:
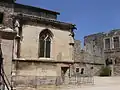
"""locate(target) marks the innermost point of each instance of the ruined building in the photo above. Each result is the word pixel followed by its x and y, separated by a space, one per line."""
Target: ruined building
pixel 104 48
pixel 34 44
pixel 85 60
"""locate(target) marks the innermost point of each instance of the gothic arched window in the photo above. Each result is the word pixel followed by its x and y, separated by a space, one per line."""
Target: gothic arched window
pixel 45 43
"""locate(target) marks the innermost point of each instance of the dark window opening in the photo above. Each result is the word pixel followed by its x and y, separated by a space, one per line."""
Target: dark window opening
pixel 77 70
pixel 107 43
pixel 1 18
pixel 48 45
pixel 82 71
pixel 42 42
pixel 116 42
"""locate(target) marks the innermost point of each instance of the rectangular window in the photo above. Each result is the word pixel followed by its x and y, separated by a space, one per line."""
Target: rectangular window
pixel 116 42
pixel 107 43
pixel 1 18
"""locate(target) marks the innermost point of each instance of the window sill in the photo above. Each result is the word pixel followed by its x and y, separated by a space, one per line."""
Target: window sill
pixel 44 58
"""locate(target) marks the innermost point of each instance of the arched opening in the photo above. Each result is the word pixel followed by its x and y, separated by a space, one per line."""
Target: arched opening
pixel 45 43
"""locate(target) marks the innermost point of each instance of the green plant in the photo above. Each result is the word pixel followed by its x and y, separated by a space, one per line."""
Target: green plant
pixel 105 71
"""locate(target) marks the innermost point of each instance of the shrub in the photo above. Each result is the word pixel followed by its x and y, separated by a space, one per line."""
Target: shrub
pixel 105 71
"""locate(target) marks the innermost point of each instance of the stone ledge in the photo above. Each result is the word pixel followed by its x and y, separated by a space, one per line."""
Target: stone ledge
pixel 44 60
pixel 92 63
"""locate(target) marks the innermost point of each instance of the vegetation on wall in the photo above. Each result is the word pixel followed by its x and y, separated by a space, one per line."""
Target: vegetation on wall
pixel 105 71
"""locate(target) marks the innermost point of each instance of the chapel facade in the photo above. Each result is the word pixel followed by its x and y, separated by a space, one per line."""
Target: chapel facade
pixel 39 46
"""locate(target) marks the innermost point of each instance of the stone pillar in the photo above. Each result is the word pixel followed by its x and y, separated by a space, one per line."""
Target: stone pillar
pixel 7 36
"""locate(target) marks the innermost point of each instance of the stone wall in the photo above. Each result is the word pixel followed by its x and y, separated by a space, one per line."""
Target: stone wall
pixel 94 47
pixel 86 59
pixel 36 73
pixel 77 51
pixel 33 73
pixel 60 48
pixel 89 69
pixel 7 10
pixel 35 69
pixel 95 44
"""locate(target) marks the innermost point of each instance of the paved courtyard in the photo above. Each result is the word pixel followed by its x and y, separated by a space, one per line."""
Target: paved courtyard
pixel 100 83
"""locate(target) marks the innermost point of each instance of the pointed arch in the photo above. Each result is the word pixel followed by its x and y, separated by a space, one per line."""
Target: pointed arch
pixel 45 38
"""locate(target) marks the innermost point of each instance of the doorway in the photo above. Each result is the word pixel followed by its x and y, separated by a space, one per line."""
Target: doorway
pixel 64 72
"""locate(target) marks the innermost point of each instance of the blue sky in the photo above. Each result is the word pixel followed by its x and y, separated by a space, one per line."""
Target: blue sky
pixel 90 16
